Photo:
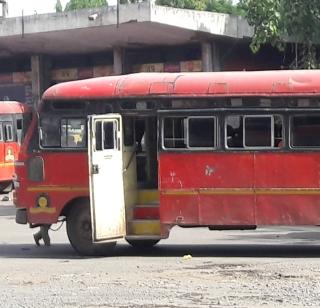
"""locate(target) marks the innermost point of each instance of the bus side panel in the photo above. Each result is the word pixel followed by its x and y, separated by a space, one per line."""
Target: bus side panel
pixel 2 172
pixel 9 152
pixel 66 177
pixel 207 188
pixel 287 186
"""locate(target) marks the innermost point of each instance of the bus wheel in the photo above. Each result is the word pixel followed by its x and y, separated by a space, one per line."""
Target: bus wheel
pixel 79 232
pixel 142 243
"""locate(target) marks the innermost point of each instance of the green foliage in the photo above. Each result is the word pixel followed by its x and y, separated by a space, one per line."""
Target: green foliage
pixel 58 6
pixel 277 20
pixel 81 4
pixel 221 6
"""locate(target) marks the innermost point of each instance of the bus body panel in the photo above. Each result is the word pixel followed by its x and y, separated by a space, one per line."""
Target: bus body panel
pixel 10 113
pixel 287 188
pixel 66 177
pixel 206 188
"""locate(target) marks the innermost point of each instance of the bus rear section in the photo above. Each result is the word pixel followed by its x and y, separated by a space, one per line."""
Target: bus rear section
pixel 133 156
pixel 14 120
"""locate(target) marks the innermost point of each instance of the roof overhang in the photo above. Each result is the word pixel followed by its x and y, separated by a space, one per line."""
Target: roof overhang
pixel 98 30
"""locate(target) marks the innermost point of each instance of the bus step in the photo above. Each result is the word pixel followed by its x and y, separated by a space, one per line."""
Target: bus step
pixel 148 196
pixel 144 227
pixel 150 211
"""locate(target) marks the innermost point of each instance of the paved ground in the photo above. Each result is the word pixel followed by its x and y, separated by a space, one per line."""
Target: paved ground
pixel 193 268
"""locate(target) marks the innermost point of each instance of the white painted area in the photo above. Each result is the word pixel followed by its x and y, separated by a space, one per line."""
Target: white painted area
pixel 32 7
pixel 106 182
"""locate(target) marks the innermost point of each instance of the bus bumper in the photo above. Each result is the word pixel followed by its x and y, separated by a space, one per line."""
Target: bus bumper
pixel 21 216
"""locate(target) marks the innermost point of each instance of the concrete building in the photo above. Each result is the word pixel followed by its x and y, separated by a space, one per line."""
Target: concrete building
pixel 40 50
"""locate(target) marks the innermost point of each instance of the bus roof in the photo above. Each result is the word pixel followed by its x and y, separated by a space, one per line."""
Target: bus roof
pixel 205 84
pixel 7 107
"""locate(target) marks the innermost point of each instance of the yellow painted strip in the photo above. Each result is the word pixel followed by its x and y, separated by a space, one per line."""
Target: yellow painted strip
pixel 57 188
pixel 243 191
pixel 6 164
pixel 145 227
pixel 146 196
pixel 38 210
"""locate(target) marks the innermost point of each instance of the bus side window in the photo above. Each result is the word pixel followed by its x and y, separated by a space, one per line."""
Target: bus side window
pixel 201 132
pixel 234 131
pixel 8 131
pixel 174 133
pixel 1 132
pixel 305 130
pixel 19 130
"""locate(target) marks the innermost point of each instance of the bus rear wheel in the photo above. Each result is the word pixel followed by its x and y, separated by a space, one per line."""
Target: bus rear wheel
pixel 142 243
pixel 80 232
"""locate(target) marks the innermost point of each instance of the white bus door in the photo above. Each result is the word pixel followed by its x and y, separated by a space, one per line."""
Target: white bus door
pixel 106 177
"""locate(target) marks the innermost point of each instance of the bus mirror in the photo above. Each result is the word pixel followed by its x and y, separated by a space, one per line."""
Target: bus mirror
pixel 40 133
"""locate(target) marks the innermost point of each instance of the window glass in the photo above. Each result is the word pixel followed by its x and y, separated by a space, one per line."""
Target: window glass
pixel 98 133
pixel 305 131
pixel 128 131
pixel 50 132
pixel 8 132
pixel 109 135
pixel 254 131
pixel 201 132
pixel 1 133
pixel 73 133
pixel 174 132
pixel 234 131
pixel 258 131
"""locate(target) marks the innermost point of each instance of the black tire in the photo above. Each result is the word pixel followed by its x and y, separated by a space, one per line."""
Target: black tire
pixel 142 243
pixel 79 232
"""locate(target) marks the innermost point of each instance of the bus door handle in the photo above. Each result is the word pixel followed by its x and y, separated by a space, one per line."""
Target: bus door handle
pixel 95 169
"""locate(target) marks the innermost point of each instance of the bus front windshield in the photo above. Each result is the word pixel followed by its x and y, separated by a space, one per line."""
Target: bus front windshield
pixel 62 132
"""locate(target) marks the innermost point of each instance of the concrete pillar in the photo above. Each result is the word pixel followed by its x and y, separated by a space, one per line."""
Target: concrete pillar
pixel 118 61
pixel 210 57
pixel 4 4
pixel 40 76
pixel 216 63
pixel 206 55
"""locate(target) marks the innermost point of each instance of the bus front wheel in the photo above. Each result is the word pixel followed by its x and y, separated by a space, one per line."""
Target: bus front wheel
pixel 80 232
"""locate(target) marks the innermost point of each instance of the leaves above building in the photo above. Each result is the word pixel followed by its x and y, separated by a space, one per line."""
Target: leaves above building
pixel 81 4
pixel 280 22
pixel 220 6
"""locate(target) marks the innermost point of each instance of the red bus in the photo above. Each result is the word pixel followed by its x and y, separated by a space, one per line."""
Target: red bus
pixel 132 156
pixel 14 117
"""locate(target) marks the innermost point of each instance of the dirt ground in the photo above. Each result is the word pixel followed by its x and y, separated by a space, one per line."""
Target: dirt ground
pixel 269 267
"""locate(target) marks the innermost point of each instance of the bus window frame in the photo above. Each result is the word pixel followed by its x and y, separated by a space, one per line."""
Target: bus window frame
pixel 1 133
pixel 6 125
pixel 271 116
pixel 309 112
pixel 242 113
pixel 215 118
pixel 185 114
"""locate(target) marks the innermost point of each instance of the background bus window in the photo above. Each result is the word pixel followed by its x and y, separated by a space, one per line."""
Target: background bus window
pixel 258 131
pixel 174 133
pixel 73 133
pixel 234 131
pixel 1 134
pixel 305 131
pixel 201 132
pixel 8 132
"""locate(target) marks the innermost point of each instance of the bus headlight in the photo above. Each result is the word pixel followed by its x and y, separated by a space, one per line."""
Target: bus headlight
pixel 43 201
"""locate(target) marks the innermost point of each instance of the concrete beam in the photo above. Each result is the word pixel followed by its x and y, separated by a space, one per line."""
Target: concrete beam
pixel 118 61
pixel 206 55
pixel 40 74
